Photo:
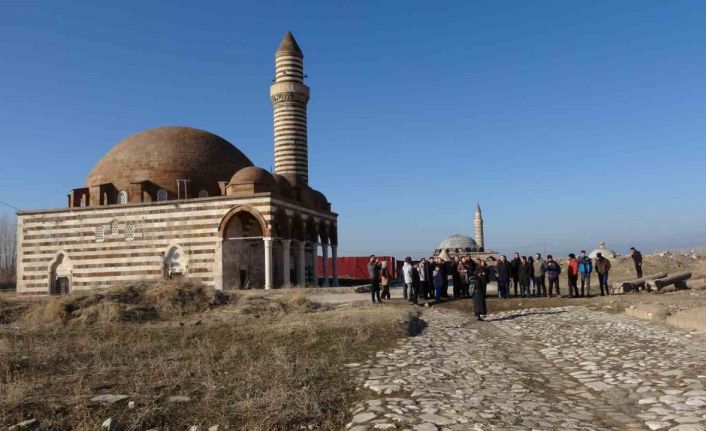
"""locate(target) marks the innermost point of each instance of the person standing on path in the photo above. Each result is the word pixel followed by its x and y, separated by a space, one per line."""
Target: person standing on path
pixel 539 270
pixel 374 272
pixel 533 291
pixel 502 273
pixel 463 277
pixel 514 268
pixel 553 271
pixel 572 274
pixel 524 274
pixel 438 284
pixel 407 270
pixel 416 284
pixel 480 279
pixel 422 268
pixel 602 269
pixel 430 277
pixel 585 269
pixel 455 277
pixel 637 259
pixel 444 268
pixel 384 280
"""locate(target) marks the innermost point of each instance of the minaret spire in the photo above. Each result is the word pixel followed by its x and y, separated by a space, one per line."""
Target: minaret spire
pixel 289 96
pixel 478 222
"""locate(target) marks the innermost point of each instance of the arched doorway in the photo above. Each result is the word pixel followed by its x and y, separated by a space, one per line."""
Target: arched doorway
pixel 60 275
pixel 243 249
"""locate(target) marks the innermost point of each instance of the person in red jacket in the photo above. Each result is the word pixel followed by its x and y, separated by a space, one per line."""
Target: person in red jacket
pixel 572 273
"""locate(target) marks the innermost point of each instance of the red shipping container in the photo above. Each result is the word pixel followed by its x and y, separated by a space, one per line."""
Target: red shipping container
pixel 354 267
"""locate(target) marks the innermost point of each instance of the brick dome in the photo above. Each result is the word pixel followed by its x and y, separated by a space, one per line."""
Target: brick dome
pixel 166 154
pixel 285 188
pixel 252 175
pixel 251 180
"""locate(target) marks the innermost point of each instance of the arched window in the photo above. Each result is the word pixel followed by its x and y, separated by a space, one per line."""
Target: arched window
pixel 100 235
pixel 122 197
pixel 114 227
pixel 161 195
pixel 130 232
pixel 203 193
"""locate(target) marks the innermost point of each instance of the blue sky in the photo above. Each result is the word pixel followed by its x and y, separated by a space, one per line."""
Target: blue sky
pixel 570 122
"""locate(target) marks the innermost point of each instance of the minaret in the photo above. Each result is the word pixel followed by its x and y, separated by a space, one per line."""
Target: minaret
pixel 478 222
pixel 289 97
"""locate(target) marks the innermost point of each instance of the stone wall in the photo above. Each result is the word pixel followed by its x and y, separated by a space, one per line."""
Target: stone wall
pixel 109 244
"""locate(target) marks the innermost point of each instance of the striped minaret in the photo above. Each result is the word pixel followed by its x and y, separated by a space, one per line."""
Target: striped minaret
pixel 289 96
pixel 478 222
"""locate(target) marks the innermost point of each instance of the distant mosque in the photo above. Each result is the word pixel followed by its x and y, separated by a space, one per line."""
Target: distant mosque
pixel 461 245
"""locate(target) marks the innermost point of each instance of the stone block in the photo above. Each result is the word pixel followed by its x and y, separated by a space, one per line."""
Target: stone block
pixel 692 319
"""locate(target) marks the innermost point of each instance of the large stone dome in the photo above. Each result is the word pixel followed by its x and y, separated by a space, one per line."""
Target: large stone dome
pixel 166 154
pixel 457 244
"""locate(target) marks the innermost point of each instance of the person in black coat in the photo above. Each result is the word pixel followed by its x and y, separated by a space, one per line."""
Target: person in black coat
pixel 481 277
pixel 514 271
pixel 503 272
pixel 444 267
pixel 524 275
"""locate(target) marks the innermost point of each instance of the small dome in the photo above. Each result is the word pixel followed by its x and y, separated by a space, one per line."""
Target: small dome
pixel 319 199
pixel 284 187
pixel 604 251
pixel 252 175
pixel 166 154
pixel 454 242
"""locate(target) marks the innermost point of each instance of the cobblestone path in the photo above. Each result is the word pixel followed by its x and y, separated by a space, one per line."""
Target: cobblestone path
pixel 551 369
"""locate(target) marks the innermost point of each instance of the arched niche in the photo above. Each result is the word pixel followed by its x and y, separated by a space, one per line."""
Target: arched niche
pixel 60 274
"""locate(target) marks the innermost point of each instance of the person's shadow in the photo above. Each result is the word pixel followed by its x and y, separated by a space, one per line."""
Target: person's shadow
pixel 520 314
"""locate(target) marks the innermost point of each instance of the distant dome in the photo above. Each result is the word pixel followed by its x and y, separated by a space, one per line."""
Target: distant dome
pixel 604 251
pixel 458 243
pixel 166 154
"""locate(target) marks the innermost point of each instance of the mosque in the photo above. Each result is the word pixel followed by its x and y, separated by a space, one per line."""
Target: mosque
pixel 183 202
pixel 461 245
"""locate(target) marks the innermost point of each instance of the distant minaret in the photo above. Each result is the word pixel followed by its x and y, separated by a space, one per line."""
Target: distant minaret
pixel 289 97
pixel 478 222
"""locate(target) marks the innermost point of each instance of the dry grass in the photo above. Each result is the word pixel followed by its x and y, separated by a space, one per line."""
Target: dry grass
pixel 253 362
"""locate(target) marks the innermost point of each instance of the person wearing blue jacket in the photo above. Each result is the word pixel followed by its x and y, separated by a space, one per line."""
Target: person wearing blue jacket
pixel 585 269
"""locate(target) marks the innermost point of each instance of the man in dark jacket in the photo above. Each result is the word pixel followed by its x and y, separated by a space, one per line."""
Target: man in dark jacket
pixel 374 272
pixel 444 267
pixel 455 277
pixel 514 270
pixel 553 271
pixel 430 278
pixel 602 268
pixel 502 274
pixel 524 274
pixel 637 259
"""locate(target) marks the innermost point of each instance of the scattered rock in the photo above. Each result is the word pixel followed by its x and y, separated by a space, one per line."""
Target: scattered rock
pixel 111 424
pixel 29 424
pixel 178 399
pixel 109 399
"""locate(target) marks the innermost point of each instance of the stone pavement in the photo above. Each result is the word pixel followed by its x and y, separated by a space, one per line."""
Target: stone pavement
pixel 544 369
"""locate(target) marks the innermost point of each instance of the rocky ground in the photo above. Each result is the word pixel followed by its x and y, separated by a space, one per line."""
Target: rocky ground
pixel 567 368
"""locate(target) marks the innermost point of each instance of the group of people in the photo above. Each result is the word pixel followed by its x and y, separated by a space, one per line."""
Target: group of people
pixel 429 279
pixel 529 277
pixel 537 277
